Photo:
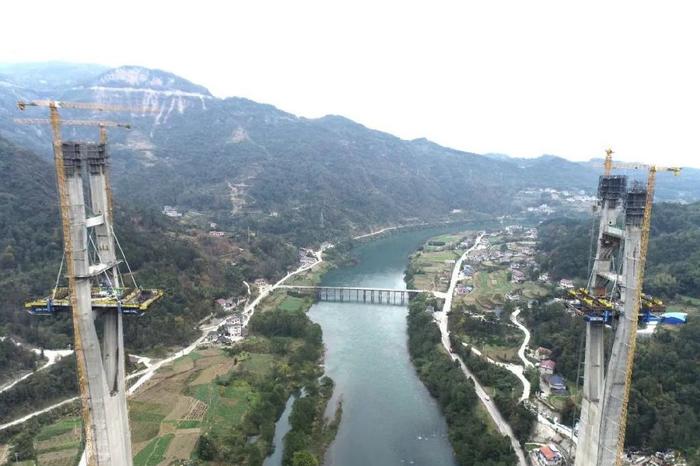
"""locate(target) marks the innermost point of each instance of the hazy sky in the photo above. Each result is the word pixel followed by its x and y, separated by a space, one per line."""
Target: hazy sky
pixel 517 77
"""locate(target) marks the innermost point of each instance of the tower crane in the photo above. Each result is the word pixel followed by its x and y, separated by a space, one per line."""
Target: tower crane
pixel 100 370
pixel 607 165
pixel 102 124
pixel 644 244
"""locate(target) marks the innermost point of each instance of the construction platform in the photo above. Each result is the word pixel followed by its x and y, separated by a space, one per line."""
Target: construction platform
pixel 597 309
pixel 129 301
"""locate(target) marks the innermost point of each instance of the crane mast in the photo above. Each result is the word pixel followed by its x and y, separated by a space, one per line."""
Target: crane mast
pixel 100 365
pixel 606 393
pixel 643 249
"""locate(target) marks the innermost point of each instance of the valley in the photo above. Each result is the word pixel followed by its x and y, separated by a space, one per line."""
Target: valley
pixel 227 204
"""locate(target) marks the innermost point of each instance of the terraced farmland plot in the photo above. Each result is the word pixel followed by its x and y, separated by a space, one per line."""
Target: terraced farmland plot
pixel 58 444
pixel 432 270
pixel 154 452
pixel 291 303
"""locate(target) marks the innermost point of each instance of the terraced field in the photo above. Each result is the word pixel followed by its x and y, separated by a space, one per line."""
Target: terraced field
pixel 433 269
pixel 58 444
pixel 491 287
pixel 185 400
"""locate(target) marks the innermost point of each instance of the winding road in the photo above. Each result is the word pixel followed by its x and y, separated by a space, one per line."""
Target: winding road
pixel 526 341
pixel 52 356
pixel 441 318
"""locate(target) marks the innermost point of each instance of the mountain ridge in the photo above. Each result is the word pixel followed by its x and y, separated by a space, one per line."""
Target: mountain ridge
pixel 244 164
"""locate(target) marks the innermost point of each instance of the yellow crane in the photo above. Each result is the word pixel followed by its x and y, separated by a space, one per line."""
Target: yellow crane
pixel 646 227
pixel 607 165
pixel 102 124
pixel 55 121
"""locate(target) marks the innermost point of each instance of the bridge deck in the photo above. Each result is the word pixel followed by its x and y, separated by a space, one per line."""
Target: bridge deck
pixel 352 288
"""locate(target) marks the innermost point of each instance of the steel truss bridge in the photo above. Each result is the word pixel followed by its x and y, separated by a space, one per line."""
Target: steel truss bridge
pixel 361 294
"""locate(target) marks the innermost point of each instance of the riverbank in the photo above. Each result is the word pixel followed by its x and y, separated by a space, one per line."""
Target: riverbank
pixel 441 317
pixel 473 441
pixel 389 415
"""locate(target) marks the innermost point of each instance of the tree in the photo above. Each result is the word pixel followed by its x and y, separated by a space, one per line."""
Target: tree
pixel 7 259
pixel 205 448
pixel 304 458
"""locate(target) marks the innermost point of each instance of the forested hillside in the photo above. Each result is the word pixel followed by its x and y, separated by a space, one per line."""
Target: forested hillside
pixel 244 164
pixel 673 261
pixel 193 268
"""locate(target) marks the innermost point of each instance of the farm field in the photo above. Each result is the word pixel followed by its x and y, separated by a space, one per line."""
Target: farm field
pixel 184 400
pixel 310 277
pixel 491 287
pixel 292 303
pixel 284 300
pixel 58 444
pixel 432 269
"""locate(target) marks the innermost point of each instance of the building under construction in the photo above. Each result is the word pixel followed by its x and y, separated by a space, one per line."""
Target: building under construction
pixel 96 292
pixel 613 298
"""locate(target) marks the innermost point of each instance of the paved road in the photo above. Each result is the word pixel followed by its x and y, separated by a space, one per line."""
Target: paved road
pixel 515 369
pixel 36 413
pixel 526 341
pixel 52 356
pixel 441 318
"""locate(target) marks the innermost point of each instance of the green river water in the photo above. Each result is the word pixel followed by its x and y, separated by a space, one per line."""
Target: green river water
pixel 389 418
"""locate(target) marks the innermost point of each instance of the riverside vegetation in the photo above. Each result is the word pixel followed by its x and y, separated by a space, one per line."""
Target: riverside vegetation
pixel 473 440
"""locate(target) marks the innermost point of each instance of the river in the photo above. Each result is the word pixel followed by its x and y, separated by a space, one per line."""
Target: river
pixel 389 418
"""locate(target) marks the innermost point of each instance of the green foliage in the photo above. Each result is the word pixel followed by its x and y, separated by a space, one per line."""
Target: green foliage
pixel 206 449
pixel 15 358
pixel 664 409
pixel 304 458
pixel 51 385
pixel 507 389
pixel 553 328
pixel 153 453
pixel 488 330
pixel 23 447
pixel 673 261
pixel 564 247
pixel 309 434
pixel 470 437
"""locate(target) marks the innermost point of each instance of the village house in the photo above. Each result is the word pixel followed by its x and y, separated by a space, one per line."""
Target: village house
pixel 566 284
pixel 547 367
pixel 517 276
pixel 170 211
pixel 542 353
pixel 260 282
pixel 548 455
pixel 556 383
